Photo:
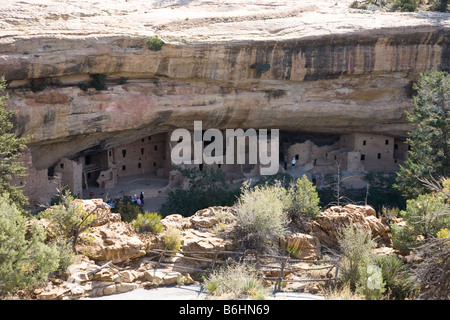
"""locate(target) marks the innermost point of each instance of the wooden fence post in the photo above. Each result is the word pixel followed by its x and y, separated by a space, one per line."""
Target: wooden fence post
pixel 160 258
pixel 214 261
pixel 336 273
pixel 280 276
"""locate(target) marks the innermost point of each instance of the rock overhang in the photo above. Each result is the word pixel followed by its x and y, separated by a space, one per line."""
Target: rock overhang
pixel 290 71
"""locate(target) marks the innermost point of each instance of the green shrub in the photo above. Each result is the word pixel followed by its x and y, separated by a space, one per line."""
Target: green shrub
pixel 172 239
pixel 424 218
pixel 205 188
pixel 402 238
pixel 25 260
pixel 303 199
pixel 261 216
pixel 98 81
pixel 236 281
pixel 284 179
pixel 396 276
pixel 148 221
pixel 405 5
pixel 357 267
pixel 154 43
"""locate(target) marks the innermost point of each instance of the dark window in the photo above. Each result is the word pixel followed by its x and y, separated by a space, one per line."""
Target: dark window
pixel 296 157
pixel 124 153
pixel 51 172
pixel 142 150
pixel 364 142
pixel 395 146
pixel 87 160
pixel 156 148
pixel 363 157
pixel 379 156
pixel 149 138
pixel 124 168
pixel 154 164
pixel 139 165
pixel 386 142
pixel 61 165
pixel 142 140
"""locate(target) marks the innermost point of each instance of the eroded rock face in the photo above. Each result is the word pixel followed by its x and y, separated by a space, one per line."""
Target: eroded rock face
pixel 304 71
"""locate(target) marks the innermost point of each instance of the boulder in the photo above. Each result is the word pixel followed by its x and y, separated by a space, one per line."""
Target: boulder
pixel 163 276
pixel 174 221
pixel 195 240
pixel 208 217
pixel 328 223
pixel 110 239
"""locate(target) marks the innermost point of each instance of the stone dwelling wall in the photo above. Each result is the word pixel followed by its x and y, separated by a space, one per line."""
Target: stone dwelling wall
pixel 376 151
pixel 143 156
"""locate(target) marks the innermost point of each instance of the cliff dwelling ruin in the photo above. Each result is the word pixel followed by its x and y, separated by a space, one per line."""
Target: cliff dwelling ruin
pixel 148 160
pixel 98 104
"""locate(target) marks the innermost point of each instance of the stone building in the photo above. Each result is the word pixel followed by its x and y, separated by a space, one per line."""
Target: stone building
pixel 356 152
pixel 145 156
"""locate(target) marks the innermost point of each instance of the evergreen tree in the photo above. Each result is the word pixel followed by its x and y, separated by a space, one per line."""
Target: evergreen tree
pixel 25 259
pixel 10 152
pixel 429 141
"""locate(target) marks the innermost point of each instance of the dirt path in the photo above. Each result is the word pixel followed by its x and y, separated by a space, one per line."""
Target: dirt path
pixel 192 292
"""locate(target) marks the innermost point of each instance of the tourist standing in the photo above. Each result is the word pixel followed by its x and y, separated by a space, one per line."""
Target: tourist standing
pixel 141 196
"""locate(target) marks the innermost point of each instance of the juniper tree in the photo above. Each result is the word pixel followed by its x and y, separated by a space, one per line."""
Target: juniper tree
pixel 11 148
pixel 429 154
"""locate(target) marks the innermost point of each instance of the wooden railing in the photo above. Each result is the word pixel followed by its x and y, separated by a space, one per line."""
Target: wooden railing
pixel 262 262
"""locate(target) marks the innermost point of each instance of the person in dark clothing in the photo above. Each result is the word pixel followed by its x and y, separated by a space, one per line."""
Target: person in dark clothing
pixel 141 196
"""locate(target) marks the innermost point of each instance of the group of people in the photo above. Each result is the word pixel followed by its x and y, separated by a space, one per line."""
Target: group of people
pixel 139 200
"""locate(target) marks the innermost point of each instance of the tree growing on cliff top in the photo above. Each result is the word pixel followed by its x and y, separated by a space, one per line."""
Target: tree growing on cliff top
pixel 429 141
pixel 10 152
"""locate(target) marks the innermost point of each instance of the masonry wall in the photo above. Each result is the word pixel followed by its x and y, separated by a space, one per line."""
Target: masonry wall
pixel 376 151
pixel 143 156
pixel 71 173
pixel 38 187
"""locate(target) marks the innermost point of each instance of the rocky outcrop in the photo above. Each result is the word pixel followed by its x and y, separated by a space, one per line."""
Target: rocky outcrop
pixel 114 259
pixel 330 222
pixel 110 239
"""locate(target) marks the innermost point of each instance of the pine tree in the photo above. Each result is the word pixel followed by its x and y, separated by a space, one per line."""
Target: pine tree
pixel 429 155
pixel 10 152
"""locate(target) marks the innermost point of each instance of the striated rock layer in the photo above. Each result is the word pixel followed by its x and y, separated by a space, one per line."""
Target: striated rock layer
pixel 311 80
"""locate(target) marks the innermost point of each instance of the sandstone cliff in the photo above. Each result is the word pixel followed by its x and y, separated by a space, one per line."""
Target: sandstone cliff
pixel 309 66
